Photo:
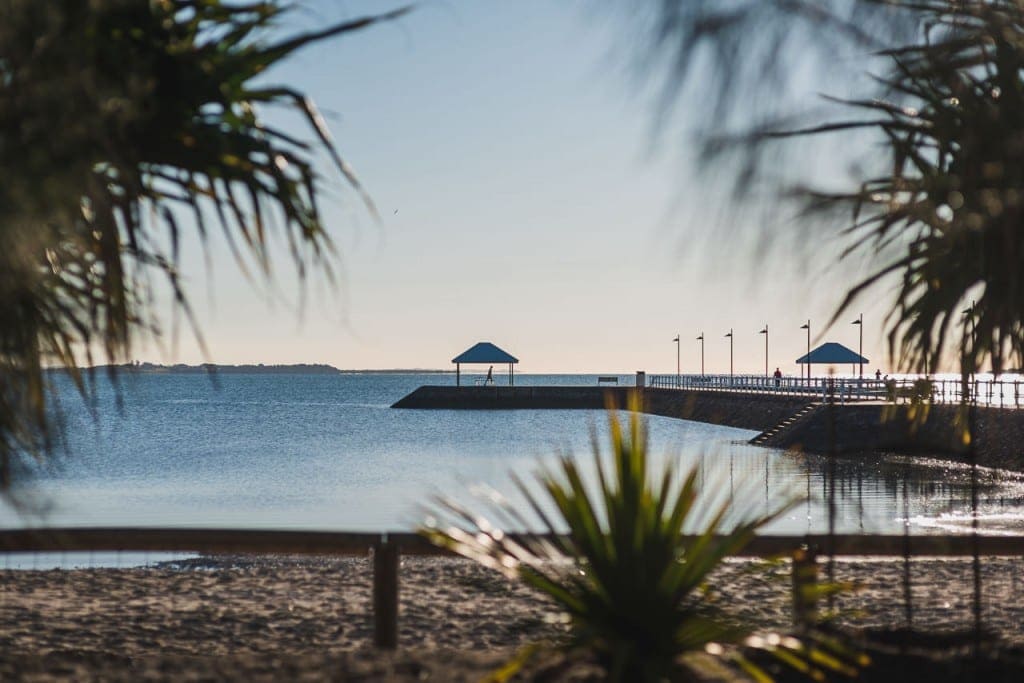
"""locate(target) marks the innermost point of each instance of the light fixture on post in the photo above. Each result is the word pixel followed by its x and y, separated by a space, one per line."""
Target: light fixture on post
pixel 969 314
pixel 807 326
pixel 974 326
pixel 859 322
pixel 701 340
pixel 730 354
pixel 765 333
pixel 678 373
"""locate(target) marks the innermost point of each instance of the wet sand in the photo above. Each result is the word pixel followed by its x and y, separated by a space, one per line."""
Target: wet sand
pixel 277 618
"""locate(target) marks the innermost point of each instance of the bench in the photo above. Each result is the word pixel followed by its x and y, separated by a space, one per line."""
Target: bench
pixel 607 380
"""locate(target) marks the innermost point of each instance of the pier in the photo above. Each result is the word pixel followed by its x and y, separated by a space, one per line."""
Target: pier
pixel 907 417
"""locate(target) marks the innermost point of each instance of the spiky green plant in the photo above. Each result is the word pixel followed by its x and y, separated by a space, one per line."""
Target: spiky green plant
pixel 627 556
pixel 125 124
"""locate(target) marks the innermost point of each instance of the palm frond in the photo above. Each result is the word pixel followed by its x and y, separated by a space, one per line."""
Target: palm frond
pixel 117 119
pixel 939 214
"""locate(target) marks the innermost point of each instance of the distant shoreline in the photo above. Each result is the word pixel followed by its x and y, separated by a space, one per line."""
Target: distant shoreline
pixel 400 371
pixel 250 369
pixel 206 368
pixel 298 368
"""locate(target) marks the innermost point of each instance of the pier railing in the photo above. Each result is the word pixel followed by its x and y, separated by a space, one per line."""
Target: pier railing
pixel 993 393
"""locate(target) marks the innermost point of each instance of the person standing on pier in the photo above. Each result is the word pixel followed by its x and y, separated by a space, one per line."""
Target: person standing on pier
pixel 778 377
pixel 490 375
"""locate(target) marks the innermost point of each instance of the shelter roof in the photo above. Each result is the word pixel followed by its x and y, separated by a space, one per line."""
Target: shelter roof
pixel 832 353
pixel 484 352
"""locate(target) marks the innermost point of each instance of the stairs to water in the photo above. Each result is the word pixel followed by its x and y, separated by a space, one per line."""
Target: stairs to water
pixel 768 436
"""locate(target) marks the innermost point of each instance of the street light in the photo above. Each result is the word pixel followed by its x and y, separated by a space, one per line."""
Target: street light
pixel 730 354
pixel 969 314
pixel 765 333
pixel 965 389
pixel 676 340
pixel 859 322
pixel 807 326
pixel 701 340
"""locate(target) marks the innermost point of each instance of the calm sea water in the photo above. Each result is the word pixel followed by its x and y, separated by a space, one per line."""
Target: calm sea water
pixel 327 452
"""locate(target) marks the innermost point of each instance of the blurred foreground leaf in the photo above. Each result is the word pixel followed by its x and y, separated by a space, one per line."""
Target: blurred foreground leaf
pixel 124 123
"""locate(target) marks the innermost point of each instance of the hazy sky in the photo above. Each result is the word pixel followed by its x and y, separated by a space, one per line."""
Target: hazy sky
pixel 526 200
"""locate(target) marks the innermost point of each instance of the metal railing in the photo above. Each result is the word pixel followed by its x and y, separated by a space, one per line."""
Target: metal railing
pixel 993 393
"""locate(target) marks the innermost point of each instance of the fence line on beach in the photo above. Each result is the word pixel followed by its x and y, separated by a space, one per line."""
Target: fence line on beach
pixel 386 550
pixel 993 393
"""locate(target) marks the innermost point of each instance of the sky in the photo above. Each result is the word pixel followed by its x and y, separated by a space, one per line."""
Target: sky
pixel 528 198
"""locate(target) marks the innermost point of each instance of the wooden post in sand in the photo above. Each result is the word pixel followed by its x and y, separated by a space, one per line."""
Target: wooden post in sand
pixel 805 585
pixel 385 594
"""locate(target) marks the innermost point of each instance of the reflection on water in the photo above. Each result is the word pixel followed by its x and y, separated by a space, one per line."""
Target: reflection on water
pixel 873 494
pixel 87 560
pixel 883 493
pixel 326 452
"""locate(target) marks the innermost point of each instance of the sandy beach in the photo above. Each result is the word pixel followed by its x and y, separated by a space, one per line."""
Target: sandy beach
pixel 281 618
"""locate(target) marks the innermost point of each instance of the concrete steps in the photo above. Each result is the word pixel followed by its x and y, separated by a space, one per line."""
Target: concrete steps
pixel 771 436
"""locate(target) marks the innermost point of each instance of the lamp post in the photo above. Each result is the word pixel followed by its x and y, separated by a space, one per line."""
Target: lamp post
pixel 859 322
pixel 965 388
pixel 969 314
pixel 678 373
pixel 701 340
pixel 974 333
pixel 807 326
pixel 765 333
pixel 730 354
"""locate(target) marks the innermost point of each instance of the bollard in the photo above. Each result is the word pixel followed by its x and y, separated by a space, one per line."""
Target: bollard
pixel 805 584
pixel 385 594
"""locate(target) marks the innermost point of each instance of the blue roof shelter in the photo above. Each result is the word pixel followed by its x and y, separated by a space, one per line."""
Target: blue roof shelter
pixel 831 353
pixel 485 353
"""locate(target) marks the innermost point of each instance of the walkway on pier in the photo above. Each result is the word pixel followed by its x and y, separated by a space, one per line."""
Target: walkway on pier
pixel 991 393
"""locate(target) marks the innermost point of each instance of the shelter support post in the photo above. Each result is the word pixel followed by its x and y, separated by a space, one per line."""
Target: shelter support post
pixel 458 374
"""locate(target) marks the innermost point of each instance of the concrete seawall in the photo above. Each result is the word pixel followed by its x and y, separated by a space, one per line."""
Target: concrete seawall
pixel 790 422
pixel 731 410
pixel 746 411
pixel 998 435
pixel 511 398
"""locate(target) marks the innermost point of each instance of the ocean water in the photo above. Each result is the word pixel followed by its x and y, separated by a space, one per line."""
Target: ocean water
pixel 327 452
